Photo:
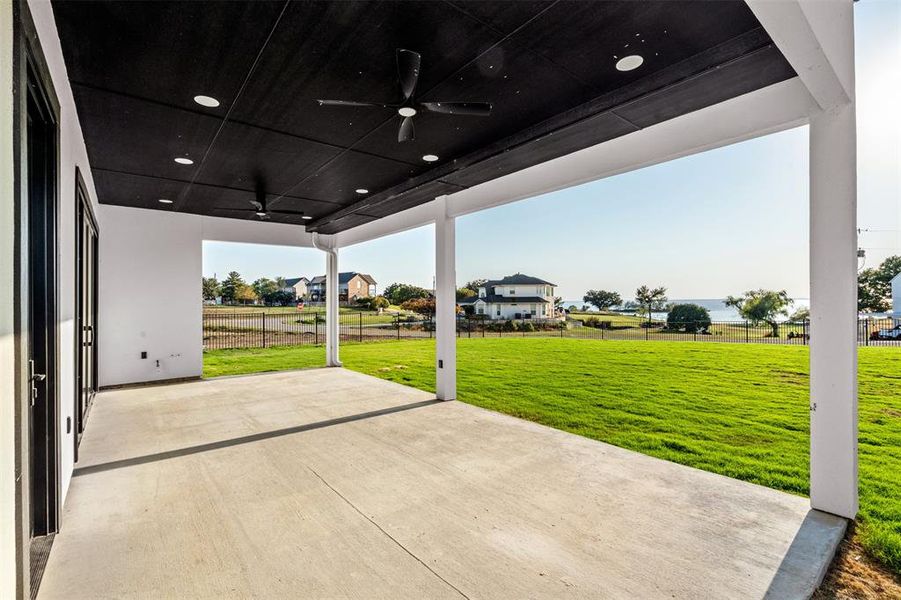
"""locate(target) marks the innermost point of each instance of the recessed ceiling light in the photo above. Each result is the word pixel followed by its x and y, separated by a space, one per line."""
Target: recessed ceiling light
pixel 184 161
pixel 207 101
pixel 306 218
pixel 430 158
pixel 165 201
pixel 362 191
pixel 629 63
pixel 406 111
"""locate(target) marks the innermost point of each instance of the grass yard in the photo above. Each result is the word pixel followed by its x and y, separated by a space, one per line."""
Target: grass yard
pixel 740 410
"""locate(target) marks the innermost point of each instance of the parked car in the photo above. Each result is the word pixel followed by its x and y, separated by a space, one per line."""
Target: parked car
pixel 888 334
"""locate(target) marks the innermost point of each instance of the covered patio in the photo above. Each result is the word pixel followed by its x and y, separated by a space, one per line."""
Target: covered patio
pixel 164 125
pixel 328 483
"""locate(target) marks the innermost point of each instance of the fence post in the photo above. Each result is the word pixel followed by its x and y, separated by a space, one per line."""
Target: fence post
pixel 398 326
pixel 264 330
pixel 315 328
pixel 866 332
pixel 747 332
pixel 695 332
pixel 361 326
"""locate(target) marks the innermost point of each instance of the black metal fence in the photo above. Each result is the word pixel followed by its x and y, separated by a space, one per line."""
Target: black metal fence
pixel 260 329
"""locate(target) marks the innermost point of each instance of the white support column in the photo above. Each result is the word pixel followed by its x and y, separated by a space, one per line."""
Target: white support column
pixel 445 304
pixel 833 309
pixel 332 330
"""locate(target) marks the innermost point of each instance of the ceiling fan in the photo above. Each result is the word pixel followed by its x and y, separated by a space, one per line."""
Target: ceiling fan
pixel 408 63
pixel 260 208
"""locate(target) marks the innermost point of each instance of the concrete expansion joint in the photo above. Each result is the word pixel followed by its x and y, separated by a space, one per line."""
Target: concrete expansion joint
pixel 385 533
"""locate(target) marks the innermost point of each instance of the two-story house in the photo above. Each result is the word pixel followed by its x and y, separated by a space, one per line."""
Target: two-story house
pixel 514 297
pixel 297 286
pixel 351 285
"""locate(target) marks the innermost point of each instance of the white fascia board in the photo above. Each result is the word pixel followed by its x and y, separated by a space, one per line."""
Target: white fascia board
pixel 418 216
pixel 814 36
pixel 768 110
pixel 220 229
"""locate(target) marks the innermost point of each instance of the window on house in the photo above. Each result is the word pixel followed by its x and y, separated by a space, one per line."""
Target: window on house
pixel 532 308
pixel 480 310
pixel 512 291
pixel 498 311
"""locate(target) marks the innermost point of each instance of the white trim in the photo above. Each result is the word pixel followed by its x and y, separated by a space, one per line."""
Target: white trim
pixel 812 35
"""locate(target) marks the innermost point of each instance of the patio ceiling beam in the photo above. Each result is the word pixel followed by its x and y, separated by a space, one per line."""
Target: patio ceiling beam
pixel 812 35
pixel 220 229
pixel 768 110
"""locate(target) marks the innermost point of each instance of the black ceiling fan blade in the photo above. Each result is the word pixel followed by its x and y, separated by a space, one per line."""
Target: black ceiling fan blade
pixel 406 133
pixel 474 109
pixel 236 210
pixel 287 212
pixel 350 103
pixel 408 71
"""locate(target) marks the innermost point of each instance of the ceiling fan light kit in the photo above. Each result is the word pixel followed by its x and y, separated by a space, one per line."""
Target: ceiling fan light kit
pixel 408 66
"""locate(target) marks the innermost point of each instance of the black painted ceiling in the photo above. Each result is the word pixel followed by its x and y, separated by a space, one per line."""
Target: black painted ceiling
pixel 548 67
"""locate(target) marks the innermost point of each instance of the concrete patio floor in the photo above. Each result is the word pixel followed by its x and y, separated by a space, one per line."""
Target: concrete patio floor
pixel 331 484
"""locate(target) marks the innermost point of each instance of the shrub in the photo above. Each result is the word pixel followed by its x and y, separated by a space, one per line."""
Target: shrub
pixel 423 306
pixel 597 323
pixel 688 317
pixel 526 326
pixel 372 302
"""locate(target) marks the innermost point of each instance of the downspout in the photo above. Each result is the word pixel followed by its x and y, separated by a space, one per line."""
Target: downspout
pixel 331 319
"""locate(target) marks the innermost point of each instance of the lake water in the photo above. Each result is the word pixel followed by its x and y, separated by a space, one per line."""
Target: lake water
pixel 718 310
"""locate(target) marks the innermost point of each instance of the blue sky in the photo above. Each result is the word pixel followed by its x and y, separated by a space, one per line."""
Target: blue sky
pixel 704 226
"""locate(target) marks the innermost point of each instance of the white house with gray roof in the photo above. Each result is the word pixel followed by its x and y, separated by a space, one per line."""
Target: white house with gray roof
pixel 514 297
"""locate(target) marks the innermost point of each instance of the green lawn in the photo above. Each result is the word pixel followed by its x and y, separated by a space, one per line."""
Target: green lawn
pixel 736 409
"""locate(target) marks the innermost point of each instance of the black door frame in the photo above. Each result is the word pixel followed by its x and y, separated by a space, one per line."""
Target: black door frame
pixel 32 82
pixel 84 212
pixel 42 156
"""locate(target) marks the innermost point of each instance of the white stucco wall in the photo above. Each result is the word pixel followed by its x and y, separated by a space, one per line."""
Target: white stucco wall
pixel 150 295
pixel 7 315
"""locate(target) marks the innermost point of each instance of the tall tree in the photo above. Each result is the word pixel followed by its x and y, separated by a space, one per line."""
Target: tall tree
pixel 210 288
pixel 244 294
pixel 762 306
pixel 281 282
pixel 475 284
pixel 230 286
pixel 265 288
pixel 464 292
pixel 398 293
pixel 874 286
pixel 602 299
pixel 650 298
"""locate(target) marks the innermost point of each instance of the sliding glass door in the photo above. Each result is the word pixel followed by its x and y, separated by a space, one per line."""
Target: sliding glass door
pixel 86 310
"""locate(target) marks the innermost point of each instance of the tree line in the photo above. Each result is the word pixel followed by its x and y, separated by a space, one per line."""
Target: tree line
pixel 233 290
pixel 756 306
